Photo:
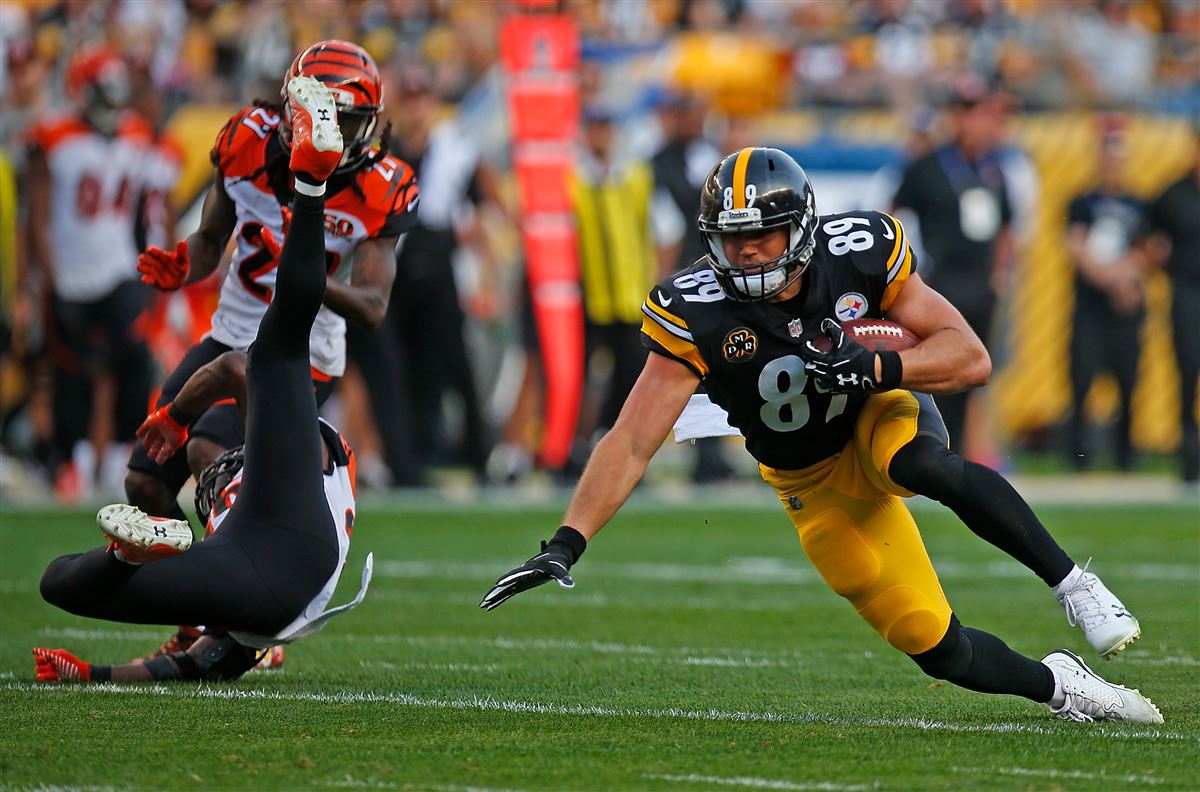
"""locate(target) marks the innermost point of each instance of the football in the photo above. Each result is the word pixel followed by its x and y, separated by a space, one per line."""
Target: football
pixel 879 335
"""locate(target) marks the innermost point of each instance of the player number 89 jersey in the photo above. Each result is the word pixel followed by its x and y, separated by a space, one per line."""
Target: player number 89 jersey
pixel 748 353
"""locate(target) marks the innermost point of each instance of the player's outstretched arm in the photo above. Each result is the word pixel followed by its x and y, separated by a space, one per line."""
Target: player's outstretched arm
pixel 196 257
pixel 365 299
pixel 614 469
pixel 950 357
pixel 165 430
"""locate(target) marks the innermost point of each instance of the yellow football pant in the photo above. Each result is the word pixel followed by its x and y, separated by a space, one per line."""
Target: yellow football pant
pixel 859 534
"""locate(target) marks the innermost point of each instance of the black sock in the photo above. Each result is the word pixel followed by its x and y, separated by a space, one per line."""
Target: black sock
pixel 101 673
pixel 984 501
pixel 980 661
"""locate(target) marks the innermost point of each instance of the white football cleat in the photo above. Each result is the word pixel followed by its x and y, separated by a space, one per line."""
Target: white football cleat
pixel 1090 698
pixel 1105 622
pixel 137 538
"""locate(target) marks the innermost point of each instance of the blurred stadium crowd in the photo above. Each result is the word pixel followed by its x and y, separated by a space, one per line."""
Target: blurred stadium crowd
pixel 860 91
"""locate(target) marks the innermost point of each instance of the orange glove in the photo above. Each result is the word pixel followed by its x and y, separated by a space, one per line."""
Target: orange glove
pixel 258 234
pixel 163 432
pixel 59 665
pixel 163 270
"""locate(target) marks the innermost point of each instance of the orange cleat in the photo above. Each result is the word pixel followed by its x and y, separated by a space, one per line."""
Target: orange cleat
pixel 270 659
pixel 316 138
pixel 178 642
pixel 137 538
pixel 59 665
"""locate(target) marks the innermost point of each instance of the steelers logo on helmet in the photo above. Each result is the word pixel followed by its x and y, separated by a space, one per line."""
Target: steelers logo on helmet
pixel 751 191
pixel 739 345
pixel 350 73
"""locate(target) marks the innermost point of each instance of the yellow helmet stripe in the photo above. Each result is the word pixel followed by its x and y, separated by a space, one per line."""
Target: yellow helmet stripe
pixel 739 178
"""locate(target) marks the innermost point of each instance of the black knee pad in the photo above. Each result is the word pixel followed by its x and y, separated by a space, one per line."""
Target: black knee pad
pixel 950 658
pixel 224 660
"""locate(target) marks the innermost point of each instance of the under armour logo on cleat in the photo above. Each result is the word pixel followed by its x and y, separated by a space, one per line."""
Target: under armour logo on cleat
pixel 160 531
pixel 323 114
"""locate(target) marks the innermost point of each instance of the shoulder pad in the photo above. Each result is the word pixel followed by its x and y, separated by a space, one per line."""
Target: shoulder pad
pixel 48 134
pixel 238 150
pixel 136 128
pixel 389 188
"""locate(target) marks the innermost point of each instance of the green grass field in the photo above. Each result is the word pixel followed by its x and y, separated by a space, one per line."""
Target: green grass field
pixel 698 651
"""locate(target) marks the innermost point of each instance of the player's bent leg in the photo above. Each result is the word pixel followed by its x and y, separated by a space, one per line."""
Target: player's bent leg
pixel 986 503
pixel 871 553
pixel 867 548
pixel 901 439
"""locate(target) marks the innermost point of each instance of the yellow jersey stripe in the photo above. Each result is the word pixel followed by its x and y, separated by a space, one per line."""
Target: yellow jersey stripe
pixel 684 350
pixel 898 249
pixel 739 178
pixel 897 283
pixel 670 317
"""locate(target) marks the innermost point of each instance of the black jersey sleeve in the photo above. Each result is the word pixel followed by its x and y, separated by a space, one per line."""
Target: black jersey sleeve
pixel 665 327
pixel 877 246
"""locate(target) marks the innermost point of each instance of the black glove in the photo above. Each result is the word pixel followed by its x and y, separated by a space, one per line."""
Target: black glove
pixel 553 563
pixel 847 366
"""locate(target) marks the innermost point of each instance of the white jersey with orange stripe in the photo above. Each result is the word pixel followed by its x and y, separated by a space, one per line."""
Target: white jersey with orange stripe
pixel 339 482
pixel 95 182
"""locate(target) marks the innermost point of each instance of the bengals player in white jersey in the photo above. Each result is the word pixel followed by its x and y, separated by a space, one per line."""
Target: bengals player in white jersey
pixel 267 576
pixel 371 202
pixel 85 176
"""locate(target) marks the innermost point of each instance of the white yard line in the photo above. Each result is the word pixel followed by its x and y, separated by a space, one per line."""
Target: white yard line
pixel 1051 773
pixel 760 783
pixel 763 570
pixel 490 704
pixel 679 655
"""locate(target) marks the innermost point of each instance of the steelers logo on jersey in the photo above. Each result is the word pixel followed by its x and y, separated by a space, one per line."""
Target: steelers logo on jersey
pixel 850 305
pixel 740 345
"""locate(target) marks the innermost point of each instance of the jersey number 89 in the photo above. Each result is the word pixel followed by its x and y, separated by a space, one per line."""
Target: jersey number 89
pixel 843 239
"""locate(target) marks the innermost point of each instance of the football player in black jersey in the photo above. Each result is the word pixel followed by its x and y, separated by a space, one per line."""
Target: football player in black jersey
pixel 840 432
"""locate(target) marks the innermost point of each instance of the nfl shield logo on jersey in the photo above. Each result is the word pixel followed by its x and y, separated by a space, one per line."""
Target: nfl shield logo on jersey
pixel 850 305
pixel 795 329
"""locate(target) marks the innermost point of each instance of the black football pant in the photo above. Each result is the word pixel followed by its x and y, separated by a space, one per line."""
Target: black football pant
pixel 624 343
pixel 429 320
pixel 277 547
pixel 1185 327
pixel 1103 339
pixel 86 340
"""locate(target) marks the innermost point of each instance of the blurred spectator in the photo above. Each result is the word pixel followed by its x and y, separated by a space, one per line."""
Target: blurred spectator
pixel 1102 229
pixel 427 311
pixel 680 168
pixel 1172 219
pixel 958 194
pixel 1116 53
pixel 85 174
pixel 611 200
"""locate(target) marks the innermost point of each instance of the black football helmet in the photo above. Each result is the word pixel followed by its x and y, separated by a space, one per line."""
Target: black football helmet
pixel 216 478
pixel 751 190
